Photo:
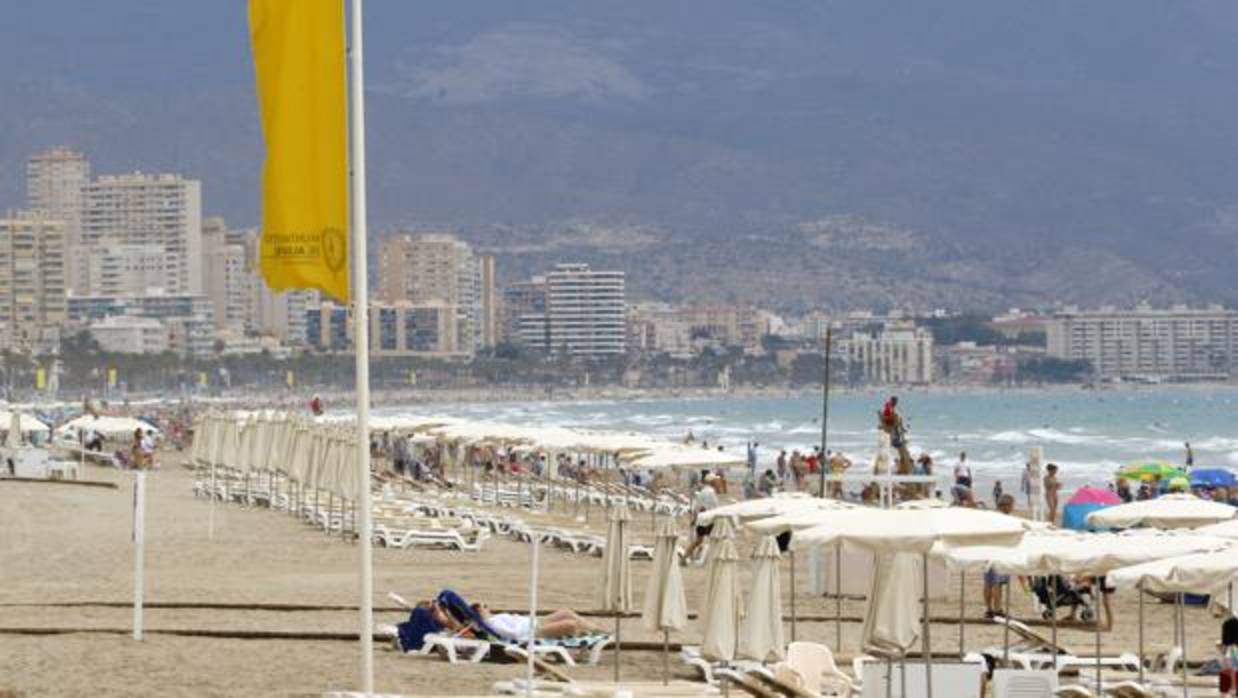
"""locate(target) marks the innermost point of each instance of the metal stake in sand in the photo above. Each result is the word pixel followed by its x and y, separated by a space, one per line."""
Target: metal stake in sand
pixel 139 548
pixel 1139 588
pixel 537 539
pixel 825 407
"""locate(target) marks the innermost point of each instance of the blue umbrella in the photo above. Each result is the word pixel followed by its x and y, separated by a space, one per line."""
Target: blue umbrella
pixel 1213 477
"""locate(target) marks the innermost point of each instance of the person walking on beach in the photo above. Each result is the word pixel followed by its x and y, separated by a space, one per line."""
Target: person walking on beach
pixel 998 494
pixel 1025 483
pixel 1052 485
pixel 704 499
pixel 994 583
pixel 962 472
pixel 752 458
pixel 781 464
pixel 1190 457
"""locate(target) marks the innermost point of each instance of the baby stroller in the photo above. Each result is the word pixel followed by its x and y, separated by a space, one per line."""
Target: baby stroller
pixel 1054 593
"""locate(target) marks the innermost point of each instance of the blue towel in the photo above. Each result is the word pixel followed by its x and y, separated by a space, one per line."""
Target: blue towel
pixel 412 633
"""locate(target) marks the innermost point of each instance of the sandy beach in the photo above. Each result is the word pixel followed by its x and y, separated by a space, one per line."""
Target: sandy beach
pixel 65 544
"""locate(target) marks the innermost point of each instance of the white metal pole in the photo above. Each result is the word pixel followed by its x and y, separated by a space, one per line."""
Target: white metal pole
pixel 361 344
pixel 139 548
pixel 537 537
pixel 214 456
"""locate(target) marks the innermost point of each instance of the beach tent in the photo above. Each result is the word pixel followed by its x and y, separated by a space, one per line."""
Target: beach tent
pixel 1213 477
pixel 1168 511
pixel 1084 501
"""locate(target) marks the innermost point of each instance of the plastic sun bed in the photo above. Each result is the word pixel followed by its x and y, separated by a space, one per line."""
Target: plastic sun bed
pixel 1038 652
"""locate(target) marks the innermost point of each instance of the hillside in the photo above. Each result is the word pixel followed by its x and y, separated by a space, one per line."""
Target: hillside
pixel 961 153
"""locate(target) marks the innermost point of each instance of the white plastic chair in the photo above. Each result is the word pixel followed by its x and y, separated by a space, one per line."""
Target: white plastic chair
pixel 814 663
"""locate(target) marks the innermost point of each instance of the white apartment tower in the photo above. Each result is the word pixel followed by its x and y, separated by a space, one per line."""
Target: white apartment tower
pixel 899 353
pixel 1176 344
pixel 32 284
pixel 585 311
pixel 55 180
pixel 145 209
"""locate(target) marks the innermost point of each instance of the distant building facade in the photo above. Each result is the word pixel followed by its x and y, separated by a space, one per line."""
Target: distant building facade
pixel 1175 344
pixel 585 312
pixel 164 210
pixel 55 180
pixel 402 328
pixel 440 268
pixel 32 280
pixel 899 353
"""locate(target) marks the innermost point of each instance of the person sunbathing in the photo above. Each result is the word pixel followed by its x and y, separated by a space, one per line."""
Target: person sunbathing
pixel 562 623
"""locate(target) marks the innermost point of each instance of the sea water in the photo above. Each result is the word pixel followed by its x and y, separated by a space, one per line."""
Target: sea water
pixel 1088 433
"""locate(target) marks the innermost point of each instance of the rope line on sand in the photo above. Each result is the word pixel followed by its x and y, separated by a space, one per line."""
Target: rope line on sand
pixel 78 483
pixel 262 635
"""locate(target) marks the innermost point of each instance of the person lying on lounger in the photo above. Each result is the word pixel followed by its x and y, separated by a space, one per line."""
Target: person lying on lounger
pixel 562 623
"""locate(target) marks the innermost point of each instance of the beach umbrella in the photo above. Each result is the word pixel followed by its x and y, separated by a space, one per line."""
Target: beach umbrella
pixel 1213 477
pixel 1226 529
pixel 616 587
pixel 1091 555
pixel 1084 501
pixel 13 439
pixel 912 531
pixel 722 605
pixel 890 622
pixel 1168 511
pixel 666 607
pixel 751 509
pixel 1149 470
pixel 762 637
pixel 722 530
pixel 1201 573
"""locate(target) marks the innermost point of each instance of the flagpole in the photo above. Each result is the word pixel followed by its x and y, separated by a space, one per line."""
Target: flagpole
pixel 361 331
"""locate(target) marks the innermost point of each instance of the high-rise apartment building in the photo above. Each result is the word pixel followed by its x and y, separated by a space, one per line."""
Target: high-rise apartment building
pixel 32 283
pixel 55 180
pixel 435 268
pixel 585 312
pixel 1176 344
pixel 488 301
pixel 146 209
pixel 229 278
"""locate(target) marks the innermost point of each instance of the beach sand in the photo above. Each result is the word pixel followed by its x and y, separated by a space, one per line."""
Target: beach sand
pixel 63 544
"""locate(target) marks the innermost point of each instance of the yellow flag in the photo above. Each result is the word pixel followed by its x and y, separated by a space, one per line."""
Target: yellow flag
pixel 40 378
pixel 299 59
